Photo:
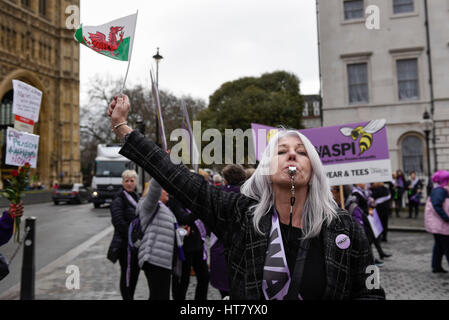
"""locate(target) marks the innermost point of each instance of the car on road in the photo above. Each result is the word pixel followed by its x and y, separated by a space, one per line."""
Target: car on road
pixel 71 193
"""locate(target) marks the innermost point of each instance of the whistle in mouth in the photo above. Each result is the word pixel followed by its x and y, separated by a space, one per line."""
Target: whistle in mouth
pixel 292 171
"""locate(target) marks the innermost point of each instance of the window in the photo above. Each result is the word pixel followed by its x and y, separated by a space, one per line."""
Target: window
pixel 412 155
pixel 403 6
pixel 353 9
pixel 316 108
pixel 6 120
pixel 358 82
pixel 26 3
pixel 305 111
pixel 408 84
pixel 43 7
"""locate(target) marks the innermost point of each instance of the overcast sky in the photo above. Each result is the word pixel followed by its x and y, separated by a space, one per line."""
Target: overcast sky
pixel 208 42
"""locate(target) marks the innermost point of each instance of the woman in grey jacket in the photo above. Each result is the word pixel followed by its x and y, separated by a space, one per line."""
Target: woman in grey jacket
pixel 158 243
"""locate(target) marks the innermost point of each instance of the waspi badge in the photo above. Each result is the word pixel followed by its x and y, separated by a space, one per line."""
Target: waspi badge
pixel 342 241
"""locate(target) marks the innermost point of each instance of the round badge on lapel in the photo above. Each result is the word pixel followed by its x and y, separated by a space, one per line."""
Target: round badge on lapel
pixel 343 241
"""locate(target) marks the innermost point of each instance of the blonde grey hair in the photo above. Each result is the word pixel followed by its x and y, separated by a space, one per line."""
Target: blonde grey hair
pixel 320 206
pixel 129 174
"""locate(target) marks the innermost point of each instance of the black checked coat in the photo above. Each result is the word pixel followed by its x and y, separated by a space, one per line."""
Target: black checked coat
pixel 228 217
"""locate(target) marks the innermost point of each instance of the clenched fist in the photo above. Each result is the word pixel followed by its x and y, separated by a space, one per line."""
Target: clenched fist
pixel 118 111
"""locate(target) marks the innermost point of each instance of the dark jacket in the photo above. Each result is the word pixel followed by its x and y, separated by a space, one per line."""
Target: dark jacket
pixel 379 193
pixel 414 190
pixel 227 215
pixel 122 213
pixel 193 241
pixel 6 228
pixel 218 268
pixel 437 197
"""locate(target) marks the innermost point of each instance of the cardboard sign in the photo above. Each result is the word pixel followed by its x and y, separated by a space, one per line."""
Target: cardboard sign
pixel 375 223
pixel 350 153
pixel 21 148
pixel 26 100
pixel 23 124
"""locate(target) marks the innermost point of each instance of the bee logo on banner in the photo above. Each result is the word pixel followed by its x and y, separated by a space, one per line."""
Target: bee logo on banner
pixel 366 133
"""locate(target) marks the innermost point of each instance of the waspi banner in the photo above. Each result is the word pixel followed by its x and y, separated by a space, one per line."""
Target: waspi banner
pixel 351 153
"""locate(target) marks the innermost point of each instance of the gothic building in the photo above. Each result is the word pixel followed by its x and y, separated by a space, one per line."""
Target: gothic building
pixel 36 47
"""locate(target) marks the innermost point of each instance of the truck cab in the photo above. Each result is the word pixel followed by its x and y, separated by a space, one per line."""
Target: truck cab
pixel 107 180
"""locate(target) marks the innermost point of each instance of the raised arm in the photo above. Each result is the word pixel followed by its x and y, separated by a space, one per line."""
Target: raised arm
pixel 147 206
pixel 217 209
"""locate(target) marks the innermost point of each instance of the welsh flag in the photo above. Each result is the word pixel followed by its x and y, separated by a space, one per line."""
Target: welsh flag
pixel 113 39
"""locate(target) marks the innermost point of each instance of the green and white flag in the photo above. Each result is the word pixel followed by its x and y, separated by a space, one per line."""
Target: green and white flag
pixel 113 39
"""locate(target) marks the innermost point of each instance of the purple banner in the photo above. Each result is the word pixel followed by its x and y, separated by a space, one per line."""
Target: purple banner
pixel 354 142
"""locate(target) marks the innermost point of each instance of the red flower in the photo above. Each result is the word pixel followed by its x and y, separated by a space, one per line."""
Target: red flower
pixel 20 169
pixel 27 165
pixel 14 173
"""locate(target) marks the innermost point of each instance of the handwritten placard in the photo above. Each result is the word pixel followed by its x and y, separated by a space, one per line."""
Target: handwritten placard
pixel 21 148
pixel 26 100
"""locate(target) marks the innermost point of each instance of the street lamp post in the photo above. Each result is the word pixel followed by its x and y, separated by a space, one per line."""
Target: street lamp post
pixel 158 58
pixel 427 125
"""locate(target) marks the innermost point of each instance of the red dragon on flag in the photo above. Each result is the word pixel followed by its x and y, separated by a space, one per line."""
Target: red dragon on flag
pixel 100 43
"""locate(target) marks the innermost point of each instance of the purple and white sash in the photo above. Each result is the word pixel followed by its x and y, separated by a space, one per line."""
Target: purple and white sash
pixel 383 199
pixel 276 275
pixel 130 199
pixel 203 233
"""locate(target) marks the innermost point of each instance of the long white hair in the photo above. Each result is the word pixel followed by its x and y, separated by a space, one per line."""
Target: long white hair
pixel 320 206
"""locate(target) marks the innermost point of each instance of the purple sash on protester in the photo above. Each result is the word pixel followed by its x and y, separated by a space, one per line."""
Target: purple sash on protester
pixel 130 199
pixel 203 233
pixel 128 268
pixel 276 275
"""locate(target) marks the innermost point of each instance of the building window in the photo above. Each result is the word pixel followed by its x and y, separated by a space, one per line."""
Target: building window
pixel 316 108
pixel 26 3
pixel 403 6
pixel 305 111
pixel 408 84
pixel 353 9
pixel 43 7
pixel 412 155
pixel 358 82
pixel 6 120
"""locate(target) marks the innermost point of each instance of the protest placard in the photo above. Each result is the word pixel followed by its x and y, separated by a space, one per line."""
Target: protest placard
pixel 375 223
pixel 21 147
pixel 350 153
pixel 26 101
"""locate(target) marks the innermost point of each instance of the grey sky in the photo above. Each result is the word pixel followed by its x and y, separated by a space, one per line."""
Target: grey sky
pixel 208 42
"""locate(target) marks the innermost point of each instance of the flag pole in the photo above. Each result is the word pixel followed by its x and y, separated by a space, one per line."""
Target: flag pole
pixel 130 55
pixel 158 111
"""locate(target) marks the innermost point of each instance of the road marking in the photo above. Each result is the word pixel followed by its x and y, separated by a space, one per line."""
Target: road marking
pixel 61 261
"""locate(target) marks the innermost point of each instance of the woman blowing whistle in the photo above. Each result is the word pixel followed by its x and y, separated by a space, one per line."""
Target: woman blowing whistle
pixel 284 235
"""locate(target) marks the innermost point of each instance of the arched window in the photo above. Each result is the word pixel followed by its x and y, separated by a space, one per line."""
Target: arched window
pixel 412 155
pixel 6 120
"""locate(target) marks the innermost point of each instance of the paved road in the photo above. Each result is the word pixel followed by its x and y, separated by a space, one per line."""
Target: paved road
pixel 58 230
pixel 407 274
pixel 404 276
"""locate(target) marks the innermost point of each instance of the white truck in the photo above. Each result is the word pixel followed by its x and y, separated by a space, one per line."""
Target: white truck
pixel 109 166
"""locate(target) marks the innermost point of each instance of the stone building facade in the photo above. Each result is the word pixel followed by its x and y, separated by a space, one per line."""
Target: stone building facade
pixel 374 64
pixel 37 48
pixel 311 113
